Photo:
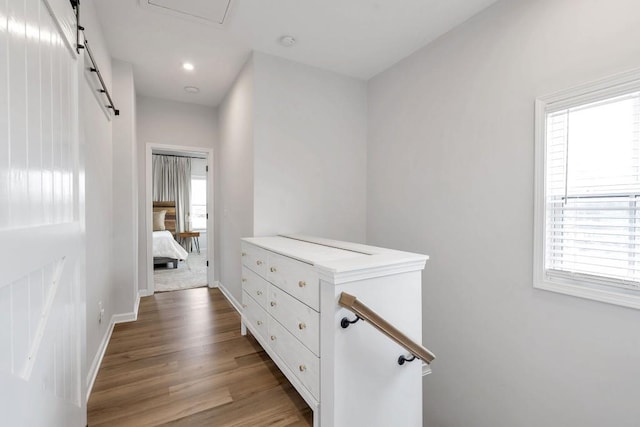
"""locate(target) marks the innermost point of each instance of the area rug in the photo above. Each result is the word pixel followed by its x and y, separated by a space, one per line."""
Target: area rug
pixel 191 273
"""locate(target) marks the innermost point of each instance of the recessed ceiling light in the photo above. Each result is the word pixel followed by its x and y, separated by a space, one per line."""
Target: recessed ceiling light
pixel 188 66
pixel 191 89
pixel 287 41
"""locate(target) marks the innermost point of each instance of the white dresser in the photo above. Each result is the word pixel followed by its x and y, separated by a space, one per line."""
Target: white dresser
pixel 348 376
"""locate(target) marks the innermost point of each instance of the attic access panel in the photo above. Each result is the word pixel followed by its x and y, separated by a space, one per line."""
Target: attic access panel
pixel 204 11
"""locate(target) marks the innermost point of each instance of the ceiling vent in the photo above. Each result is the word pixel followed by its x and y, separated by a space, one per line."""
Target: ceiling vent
pixel 211 12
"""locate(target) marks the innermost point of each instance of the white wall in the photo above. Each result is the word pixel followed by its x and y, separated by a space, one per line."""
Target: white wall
pixel 310 151
pixel 292 158
pixel 450 174
pixel 125 189
pixel 98 151
pixel 171 123
pixel 234 179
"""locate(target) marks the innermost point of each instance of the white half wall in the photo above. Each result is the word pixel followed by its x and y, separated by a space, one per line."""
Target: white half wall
pixel 169 123
pixel 450 174
pixel 310 139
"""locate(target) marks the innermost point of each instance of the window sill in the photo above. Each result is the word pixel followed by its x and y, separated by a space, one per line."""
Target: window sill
pixel 602 293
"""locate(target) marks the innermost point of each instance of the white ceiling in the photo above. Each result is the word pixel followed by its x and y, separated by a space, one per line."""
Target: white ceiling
pixel 359 38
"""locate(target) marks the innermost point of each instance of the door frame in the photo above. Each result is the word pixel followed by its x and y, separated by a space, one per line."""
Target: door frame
pixel 148 223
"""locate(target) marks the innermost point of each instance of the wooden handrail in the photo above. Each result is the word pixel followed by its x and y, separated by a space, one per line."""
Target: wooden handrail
pixel 349 301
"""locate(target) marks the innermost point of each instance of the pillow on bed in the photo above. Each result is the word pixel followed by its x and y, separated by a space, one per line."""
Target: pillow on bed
pixel 158 220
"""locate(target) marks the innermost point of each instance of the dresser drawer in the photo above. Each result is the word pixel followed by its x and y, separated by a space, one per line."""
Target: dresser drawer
pixel 296 278
pixel 304 364
pixel 255 286
pixel 255 259
pixel 255 316
pixel 300 320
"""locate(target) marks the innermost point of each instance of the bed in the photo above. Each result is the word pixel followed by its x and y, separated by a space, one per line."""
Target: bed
pixel 166 250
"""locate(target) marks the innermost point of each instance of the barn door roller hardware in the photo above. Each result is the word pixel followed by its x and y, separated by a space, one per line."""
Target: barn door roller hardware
pixel 75 4
pixel 94 69
pixel 94 66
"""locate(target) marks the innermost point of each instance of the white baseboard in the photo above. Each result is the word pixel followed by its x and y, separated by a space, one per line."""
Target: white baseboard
pixel 144 293
pixel 136 305
pixel 97 360
pixel 124 318
pixel 234 302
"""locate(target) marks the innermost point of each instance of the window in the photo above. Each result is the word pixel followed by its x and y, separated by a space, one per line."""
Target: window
pixel 587 225
pixel 198 213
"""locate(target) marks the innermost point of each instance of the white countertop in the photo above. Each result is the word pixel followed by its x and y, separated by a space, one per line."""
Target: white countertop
pixel 341 261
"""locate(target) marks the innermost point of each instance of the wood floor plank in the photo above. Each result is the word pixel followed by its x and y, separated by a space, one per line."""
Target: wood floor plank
pixel 184 363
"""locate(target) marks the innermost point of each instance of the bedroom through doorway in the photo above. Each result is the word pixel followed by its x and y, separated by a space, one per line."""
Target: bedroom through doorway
pixel 180 236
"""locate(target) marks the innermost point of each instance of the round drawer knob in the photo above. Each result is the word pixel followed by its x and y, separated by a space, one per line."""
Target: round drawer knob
pixel 273 303
pixel 301 326
pixel 273 269
pixel 259 262
pixel 244 254
pixel 259 292
pixel 259 322
pixel 302 368
pixel 244 280
pixel 302 283
pixel 273 337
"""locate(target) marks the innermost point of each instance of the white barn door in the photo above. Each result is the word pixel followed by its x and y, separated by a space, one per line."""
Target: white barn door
pixel 42 317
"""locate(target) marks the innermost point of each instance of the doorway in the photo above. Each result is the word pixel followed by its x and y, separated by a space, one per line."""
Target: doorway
pixel 179 202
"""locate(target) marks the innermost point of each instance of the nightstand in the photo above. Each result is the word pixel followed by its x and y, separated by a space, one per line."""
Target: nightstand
pixel 193 235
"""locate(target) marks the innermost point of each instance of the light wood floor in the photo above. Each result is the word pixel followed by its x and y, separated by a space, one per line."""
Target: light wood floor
pixel 184 362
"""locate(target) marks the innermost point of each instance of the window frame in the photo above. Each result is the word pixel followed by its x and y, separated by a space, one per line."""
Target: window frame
pixel 576 284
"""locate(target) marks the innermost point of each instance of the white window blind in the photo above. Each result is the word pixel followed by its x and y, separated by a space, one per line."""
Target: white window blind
pixel 592 192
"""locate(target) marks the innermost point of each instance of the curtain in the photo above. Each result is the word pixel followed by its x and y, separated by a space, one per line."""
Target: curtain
pixel 172 183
